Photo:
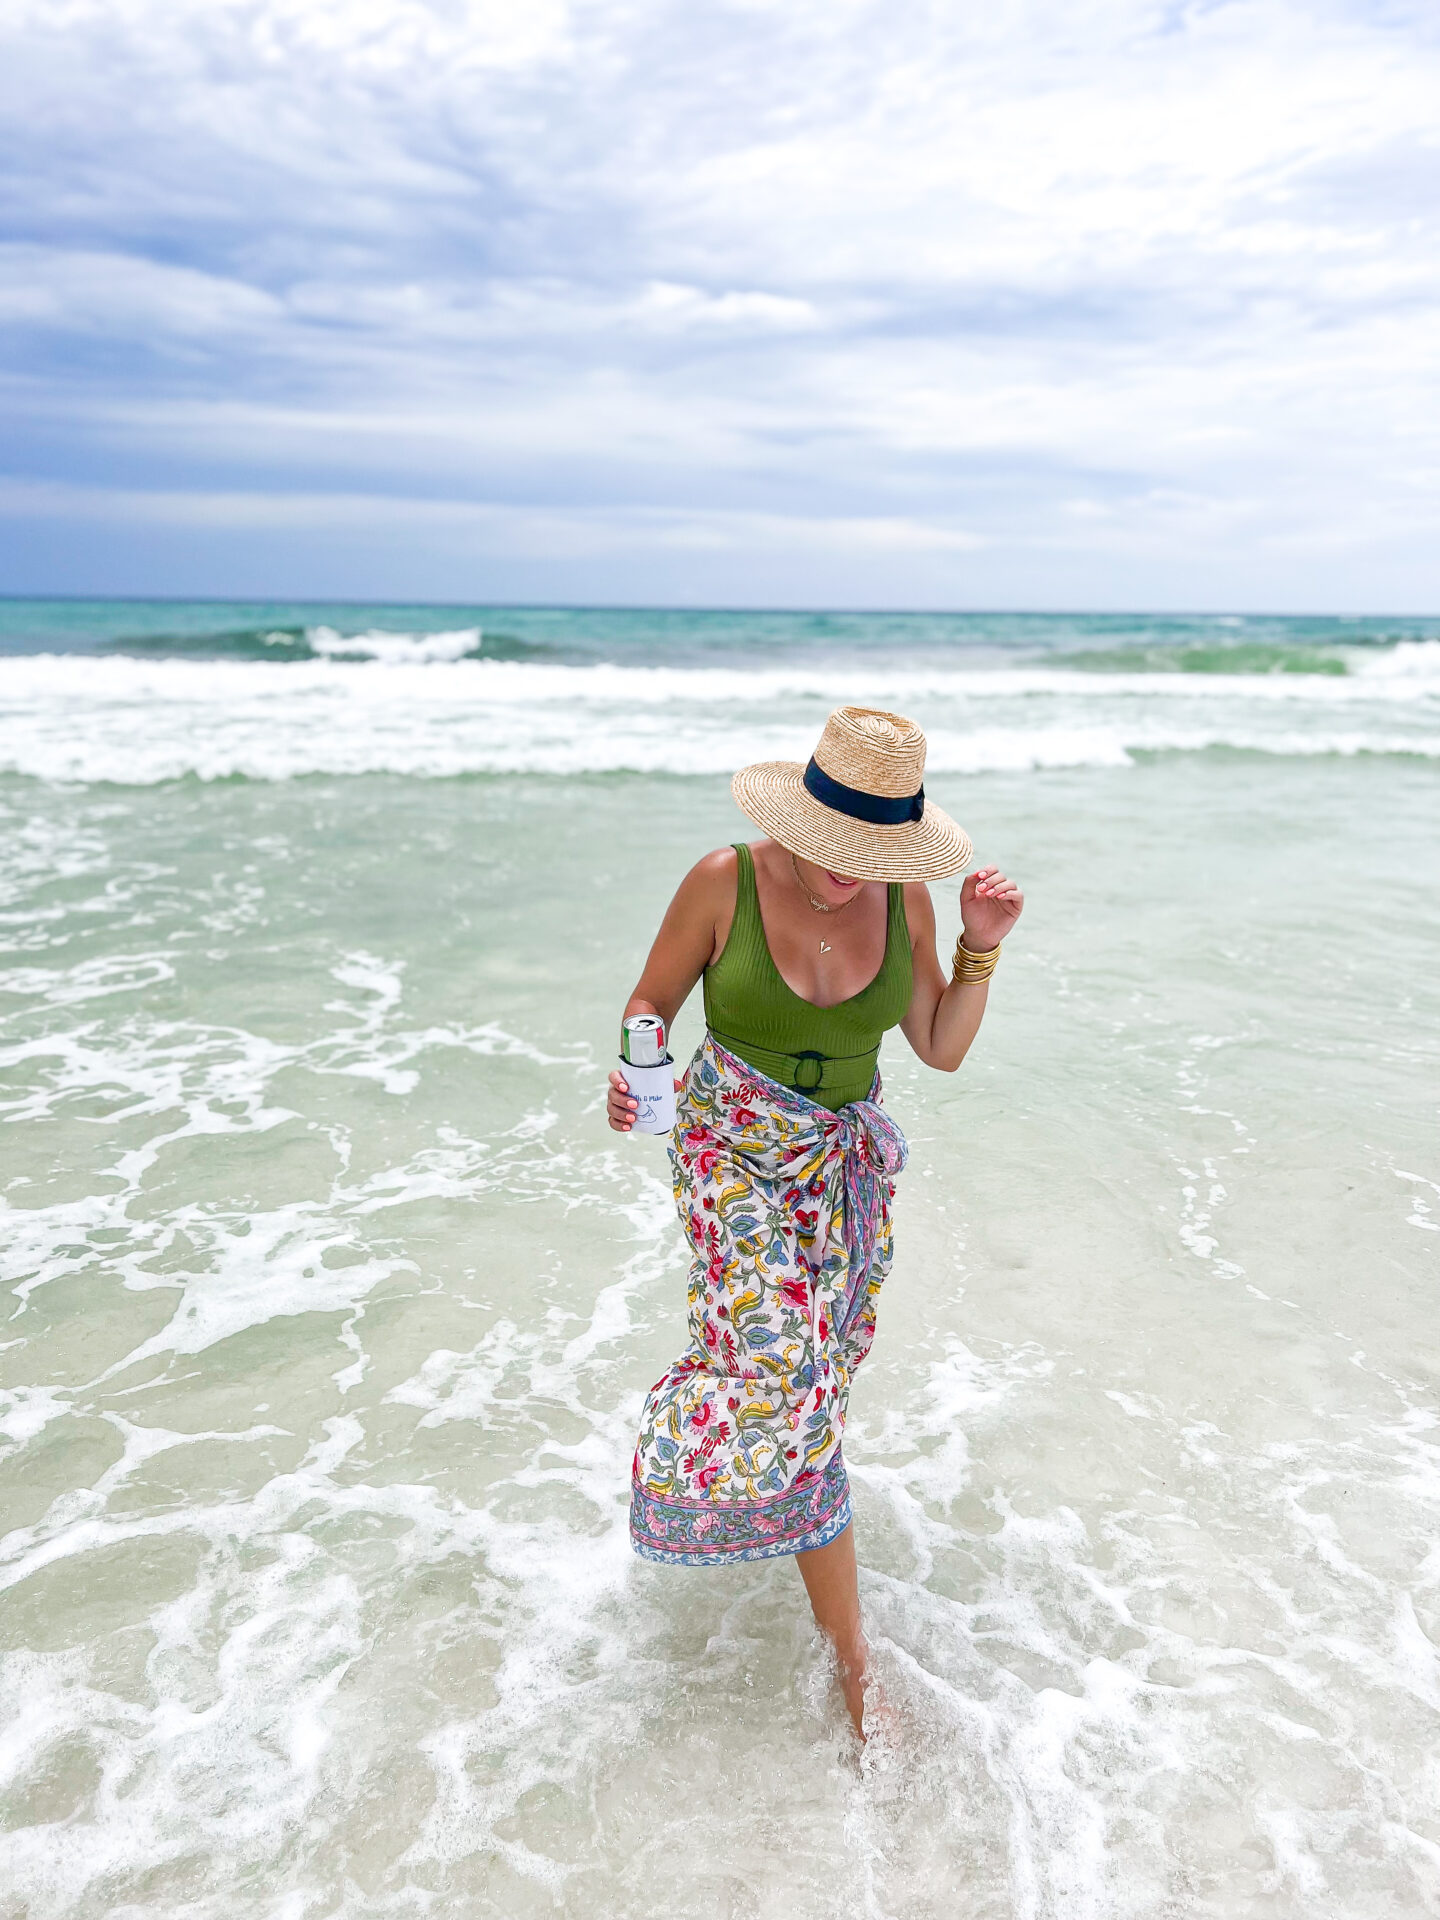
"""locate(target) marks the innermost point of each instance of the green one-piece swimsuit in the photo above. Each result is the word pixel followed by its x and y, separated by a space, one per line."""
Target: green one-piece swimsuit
pixel 827 1053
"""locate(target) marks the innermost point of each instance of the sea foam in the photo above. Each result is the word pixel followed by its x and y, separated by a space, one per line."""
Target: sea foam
pixel 136 722
pixel 333 1303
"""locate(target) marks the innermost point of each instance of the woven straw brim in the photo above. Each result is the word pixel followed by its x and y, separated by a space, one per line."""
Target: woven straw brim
pixel 773 794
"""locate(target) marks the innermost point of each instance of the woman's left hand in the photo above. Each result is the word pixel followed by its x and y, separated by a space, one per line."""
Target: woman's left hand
pixel 989 905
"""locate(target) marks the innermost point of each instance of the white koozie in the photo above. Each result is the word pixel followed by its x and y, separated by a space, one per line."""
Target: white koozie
pixel 654 1092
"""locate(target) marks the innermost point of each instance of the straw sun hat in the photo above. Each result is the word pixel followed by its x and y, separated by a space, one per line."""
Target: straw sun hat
pixel 859 807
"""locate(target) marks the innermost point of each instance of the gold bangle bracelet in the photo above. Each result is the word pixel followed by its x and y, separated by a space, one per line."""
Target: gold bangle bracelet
pixel 968 967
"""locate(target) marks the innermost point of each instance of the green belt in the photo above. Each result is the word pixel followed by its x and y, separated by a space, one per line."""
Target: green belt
pixel 806 1072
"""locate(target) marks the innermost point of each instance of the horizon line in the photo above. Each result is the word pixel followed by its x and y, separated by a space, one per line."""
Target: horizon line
pixel 680 607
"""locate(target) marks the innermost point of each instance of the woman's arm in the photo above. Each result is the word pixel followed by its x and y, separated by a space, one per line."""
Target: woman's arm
pixel 696 922
pixel 945 1016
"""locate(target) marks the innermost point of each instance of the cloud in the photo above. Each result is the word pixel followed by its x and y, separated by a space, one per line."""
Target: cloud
pixel 485 527
pixel 1093 301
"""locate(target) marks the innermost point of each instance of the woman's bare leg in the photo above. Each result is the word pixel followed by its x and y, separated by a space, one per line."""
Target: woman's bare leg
pixel 829 1576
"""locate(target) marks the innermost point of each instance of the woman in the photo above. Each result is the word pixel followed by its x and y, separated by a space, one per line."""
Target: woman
pixel 812 942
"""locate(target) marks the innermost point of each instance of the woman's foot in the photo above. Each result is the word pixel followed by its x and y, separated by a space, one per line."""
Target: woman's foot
pixel 853 1667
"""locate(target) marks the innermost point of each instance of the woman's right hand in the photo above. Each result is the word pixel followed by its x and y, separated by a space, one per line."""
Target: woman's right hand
pixel 621 1105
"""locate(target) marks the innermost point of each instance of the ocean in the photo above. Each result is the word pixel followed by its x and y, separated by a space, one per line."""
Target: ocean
pixel 330 1301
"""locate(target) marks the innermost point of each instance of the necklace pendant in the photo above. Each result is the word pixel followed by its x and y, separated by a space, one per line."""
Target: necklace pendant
pixel 824 947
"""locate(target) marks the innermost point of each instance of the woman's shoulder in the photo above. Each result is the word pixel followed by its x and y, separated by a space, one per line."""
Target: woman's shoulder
pixel 712 880
pixel 722 864
pixel 717 869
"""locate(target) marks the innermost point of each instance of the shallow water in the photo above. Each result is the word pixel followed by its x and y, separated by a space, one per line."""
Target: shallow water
pixel 331 1305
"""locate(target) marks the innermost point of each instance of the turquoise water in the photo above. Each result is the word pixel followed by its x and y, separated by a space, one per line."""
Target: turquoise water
pixel 331 1302
pixel 290 630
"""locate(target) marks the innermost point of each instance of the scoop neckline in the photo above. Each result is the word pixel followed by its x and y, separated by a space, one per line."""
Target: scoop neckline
pixel 814 1006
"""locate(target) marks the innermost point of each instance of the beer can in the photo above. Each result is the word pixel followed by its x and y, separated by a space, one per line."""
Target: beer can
pixel 648 1072
pixel 642 1040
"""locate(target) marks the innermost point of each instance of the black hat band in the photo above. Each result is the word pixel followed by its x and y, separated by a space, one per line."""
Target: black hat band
pixel 875 808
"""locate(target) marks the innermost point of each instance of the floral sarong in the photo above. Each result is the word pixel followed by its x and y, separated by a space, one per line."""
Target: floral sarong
pixel 787 1209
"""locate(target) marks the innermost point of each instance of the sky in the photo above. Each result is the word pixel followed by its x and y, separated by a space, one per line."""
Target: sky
pixel 1127 304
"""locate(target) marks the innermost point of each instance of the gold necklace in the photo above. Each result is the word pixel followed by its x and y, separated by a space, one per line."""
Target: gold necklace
pixel 820 906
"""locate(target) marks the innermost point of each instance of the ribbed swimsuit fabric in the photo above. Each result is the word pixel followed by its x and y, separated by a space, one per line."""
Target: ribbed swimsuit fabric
pixel 752 1011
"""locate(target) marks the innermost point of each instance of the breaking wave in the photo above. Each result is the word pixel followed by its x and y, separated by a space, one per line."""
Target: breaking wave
pixel 135 722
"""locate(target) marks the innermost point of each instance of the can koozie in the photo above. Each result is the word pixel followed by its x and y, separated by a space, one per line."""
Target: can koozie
pixel 649 1073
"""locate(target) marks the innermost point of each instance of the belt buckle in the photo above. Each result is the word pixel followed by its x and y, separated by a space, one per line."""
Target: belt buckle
pixel 809 1086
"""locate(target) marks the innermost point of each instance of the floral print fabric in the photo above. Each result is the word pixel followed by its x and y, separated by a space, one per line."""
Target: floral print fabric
pixel 787 1209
